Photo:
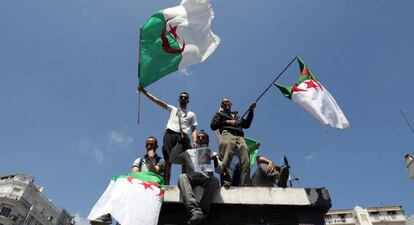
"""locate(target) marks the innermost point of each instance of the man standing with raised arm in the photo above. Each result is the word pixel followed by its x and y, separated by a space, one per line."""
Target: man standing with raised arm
pixel 231 141
pixel 179 124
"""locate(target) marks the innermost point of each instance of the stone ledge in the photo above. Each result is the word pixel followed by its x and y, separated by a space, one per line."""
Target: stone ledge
pixel 260 196
pixel 253 206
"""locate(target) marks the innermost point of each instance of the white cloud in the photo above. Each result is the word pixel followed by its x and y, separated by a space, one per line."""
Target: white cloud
pixel 310 158
pixel 99 156
pixel 90 148
pixel 80 220
pixel 185 72
pixel 120 137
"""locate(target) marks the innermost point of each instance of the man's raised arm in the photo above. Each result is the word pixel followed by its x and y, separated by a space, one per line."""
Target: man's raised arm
pixel 153 98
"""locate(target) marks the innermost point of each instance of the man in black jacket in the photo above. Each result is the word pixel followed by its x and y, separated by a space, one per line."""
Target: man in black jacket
pixel 231 141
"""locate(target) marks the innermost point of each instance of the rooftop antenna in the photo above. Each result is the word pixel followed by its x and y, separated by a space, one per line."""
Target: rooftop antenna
pixel 291 176
pixel 406 120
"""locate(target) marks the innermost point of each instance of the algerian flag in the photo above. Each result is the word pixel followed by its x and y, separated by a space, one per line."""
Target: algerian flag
pixel 132 199
pixel 253 146
pixel 175 38
pixel 309 93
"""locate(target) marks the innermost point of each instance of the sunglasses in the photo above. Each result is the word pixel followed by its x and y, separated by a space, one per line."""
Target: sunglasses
pixel 183 97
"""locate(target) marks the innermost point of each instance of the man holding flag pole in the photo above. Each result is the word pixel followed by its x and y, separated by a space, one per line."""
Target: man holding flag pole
pixel 231 141
pixel 179 124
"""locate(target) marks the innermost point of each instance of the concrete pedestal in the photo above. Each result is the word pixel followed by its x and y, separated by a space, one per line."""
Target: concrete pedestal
pixel 253 205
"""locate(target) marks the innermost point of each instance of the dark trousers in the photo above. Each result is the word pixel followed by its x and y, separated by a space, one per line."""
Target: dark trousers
pixel 171 138
pixel 186 184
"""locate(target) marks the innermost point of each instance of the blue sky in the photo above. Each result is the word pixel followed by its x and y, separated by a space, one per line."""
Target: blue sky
pixel 68 75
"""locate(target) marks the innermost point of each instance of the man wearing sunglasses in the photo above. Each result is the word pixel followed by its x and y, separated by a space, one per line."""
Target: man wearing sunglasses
pixel 194 176
pixel 231 141
pixel 180 123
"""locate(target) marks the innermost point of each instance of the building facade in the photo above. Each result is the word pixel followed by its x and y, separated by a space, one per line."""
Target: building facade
pixel 410 220
pixel 386 215
pixel 23 203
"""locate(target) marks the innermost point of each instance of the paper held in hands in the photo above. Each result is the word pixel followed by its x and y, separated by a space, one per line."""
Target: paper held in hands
pixel 200 159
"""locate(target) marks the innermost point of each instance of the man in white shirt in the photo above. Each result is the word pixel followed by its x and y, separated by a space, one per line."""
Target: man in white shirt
pixel 180 123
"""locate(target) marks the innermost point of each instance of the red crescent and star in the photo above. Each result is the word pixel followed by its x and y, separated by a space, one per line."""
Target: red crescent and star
pixel 147 185
pixel 309 84
pixel 166 44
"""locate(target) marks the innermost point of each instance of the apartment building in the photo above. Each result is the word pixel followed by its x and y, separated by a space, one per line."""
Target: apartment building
pixel 385 215
pixel 23 203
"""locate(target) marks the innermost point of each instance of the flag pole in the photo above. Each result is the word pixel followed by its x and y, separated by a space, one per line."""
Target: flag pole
pixel 270 85
pixel 139 69
pixel 406 120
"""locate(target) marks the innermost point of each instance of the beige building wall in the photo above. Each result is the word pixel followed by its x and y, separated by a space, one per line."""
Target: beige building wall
pixel 387 215
pixel 410 220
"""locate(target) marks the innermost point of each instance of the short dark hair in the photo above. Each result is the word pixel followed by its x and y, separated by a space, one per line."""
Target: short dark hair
pixel 205 133
pixel 185 93
pixel 153 137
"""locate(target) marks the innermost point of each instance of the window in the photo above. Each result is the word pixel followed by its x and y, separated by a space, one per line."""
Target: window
pixel 328 219
pixel 342 217
pixel 31 220
pixel 5 211
pixel 15 192
pixel 375 215
pixel 14 218
pixel 392 214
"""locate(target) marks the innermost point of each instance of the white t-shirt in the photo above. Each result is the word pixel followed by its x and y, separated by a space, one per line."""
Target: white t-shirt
pixel 188 119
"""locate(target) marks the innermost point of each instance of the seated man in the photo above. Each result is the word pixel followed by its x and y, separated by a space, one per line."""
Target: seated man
pixel 268 174
pixel 149 162
pixel 196 175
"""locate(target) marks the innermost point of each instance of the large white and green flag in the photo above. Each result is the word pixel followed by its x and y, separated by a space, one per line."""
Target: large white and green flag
pixel 309 93
pixel 131 199
pixel 175 38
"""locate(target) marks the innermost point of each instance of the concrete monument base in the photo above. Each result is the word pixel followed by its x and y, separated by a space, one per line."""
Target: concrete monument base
pixel 254 205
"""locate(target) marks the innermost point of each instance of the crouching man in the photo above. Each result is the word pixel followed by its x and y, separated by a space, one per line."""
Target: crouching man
pixel 268 174
pixel 199 172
